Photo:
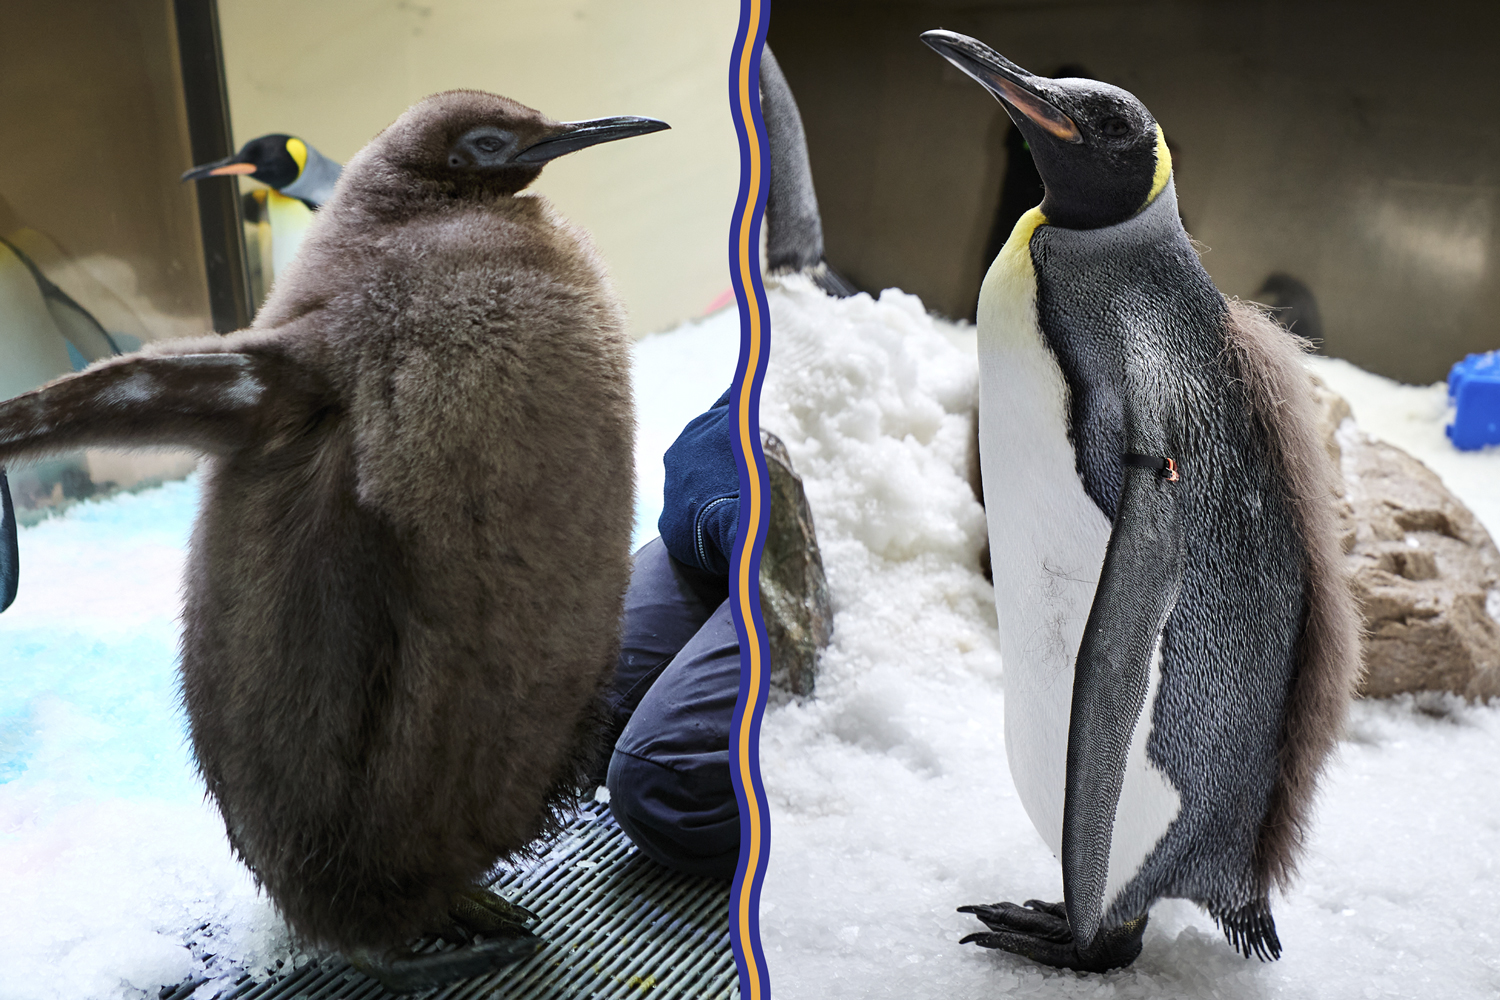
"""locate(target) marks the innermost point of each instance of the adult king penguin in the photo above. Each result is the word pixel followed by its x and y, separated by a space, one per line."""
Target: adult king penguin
pixel 283 163
pixel 794 245
pixel 405 581
pixel 1178 638
pixel 300 179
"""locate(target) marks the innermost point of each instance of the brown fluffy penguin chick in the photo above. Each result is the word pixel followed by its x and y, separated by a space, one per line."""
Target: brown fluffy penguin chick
pixel 406 578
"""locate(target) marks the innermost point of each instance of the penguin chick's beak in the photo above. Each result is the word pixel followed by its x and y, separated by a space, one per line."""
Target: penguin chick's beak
pixel 574 136
pixel 220 168
pixel 1003 78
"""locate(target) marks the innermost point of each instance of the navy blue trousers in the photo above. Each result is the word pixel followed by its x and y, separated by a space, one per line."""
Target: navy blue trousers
pixel 673 705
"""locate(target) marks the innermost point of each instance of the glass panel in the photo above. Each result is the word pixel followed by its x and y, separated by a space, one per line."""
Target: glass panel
pixel 101 249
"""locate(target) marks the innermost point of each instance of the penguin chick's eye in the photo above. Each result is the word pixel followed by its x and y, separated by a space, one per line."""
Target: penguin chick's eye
pixel 1115 127
pixel 482 148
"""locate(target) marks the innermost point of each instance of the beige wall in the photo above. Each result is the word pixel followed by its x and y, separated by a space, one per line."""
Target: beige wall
pixel 335 73
pixel 1350 144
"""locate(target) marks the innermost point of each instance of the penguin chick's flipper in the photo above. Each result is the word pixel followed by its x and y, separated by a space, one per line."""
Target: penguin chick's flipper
pixel 10 556
pixel 1040 931
pixel 214 402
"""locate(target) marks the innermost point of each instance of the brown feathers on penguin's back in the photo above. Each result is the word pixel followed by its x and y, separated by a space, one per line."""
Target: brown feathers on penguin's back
pixel 401 612
pixel 1269 361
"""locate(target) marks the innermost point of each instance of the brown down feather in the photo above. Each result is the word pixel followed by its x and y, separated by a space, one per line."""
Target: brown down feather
pixel 1279 390
pixel 405 581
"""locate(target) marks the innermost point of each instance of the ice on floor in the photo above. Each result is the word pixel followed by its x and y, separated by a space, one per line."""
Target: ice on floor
pixel 115 876
pixel 891 802
pixel 115 872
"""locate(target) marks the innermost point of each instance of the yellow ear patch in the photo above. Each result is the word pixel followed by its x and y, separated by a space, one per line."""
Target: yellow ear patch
pixel 1163 166
pixel 297 150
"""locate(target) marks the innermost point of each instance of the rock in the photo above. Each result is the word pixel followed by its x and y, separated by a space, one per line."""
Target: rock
pixel 793 590
pixel 1424 569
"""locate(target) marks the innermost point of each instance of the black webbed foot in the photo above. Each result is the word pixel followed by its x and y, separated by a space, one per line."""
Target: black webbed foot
pixel 491 933
pixel 1040 931
pixel 478 911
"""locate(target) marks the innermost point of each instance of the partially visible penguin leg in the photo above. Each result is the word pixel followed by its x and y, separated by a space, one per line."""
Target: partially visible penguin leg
pixel 1103 843
pixel 10 555
pixel 480 911
pixel 500 933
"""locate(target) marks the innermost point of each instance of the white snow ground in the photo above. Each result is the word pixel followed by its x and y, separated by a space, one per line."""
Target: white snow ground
pixel 115 876
pixel 891 803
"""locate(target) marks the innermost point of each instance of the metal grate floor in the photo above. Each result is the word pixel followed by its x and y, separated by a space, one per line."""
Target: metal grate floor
pixel 614 923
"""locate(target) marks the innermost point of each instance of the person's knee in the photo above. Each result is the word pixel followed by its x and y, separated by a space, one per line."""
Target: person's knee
pixel 682 815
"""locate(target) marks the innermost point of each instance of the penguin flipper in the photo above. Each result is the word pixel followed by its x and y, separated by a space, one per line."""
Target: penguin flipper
pixel 1113 792
pixel 1117 659
pixel 1041 932
pixel 10 556
pixel 210 401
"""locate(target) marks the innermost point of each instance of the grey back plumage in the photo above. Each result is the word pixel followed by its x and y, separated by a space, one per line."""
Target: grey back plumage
pixel 1277 389
pixel 794 233
pixel 793 223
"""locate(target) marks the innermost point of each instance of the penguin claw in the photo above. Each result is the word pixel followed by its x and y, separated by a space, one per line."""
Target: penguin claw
pixel 1046 921
pixel 477 910
pixel 402 971
pixel 1062 956
pixel 1040 931
pixel 492 933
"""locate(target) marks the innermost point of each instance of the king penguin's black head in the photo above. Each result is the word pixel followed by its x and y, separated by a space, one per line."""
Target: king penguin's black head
pixel 467 142
pixel 274 160
pixel 1101 155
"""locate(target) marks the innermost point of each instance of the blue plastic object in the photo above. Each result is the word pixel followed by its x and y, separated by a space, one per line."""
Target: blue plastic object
pixel 1474 389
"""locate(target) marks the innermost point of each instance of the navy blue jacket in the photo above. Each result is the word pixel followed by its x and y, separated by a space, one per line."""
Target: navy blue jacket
pixel 701 496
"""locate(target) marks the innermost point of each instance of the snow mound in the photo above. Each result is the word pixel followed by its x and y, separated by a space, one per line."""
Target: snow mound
pixel 891 801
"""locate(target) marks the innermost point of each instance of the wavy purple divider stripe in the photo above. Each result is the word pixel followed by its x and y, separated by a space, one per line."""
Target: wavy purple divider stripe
pixel 750 293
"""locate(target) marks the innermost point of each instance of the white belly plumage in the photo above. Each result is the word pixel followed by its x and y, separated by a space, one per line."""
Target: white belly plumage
pixel 1047 546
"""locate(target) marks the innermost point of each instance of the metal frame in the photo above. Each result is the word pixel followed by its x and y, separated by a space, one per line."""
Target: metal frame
pixel 614 926
pixel 207 99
